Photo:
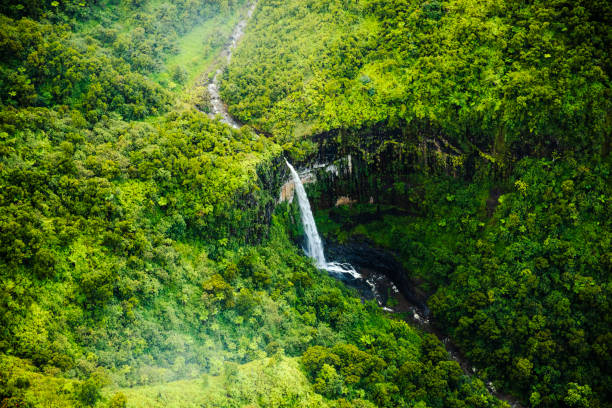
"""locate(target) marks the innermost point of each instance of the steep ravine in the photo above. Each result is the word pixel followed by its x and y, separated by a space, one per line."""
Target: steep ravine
pixel 383 278
pixel 381 275
pixel 376 274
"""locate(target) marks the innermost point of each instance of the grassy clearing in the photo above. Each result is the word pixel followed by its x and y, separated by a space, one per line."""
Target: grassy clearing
pixel 198 50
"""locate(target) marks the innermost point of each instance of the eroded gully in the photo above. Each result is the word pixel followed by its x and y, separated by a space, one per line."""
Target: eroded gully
pixel 218 108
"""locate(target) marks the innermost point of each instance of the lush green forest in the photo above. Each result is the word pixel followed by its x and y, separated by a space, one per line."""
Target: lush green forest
pixel 529 77
pixel 523 288
pixel 145 260
pixel 477 136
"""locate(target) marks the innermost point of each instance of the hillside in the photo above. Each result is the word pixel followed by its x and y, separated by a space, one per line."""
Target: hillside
pixel 472 139
pixel 146 260
pixel 142 260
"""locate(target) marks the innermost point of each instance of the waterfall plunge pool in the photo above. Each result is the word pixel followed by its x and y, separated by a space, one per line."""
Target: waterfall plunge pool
pixel 376 274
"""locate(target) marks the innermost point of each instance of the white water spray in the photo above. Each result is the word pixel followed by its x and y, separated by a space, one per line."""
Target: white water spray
pixel 314 245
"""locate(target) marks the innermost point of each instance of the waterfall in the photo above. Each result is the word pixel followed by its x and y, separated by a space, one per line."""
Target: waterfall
pixel 314 245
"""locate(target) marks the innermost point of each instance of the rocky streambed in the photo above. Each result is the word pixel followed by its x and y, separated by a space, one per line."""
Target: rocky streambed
pixel 382 278
pixel 218 107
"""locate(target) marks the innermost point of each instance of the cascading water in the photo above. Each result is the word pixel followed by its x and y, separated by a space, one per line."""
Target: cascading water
pixel 314 245
pixel 217 105
pixel 346 272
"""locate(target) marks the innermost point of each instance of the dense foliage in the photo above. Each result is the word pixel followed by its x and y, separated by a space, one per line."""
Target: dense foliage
pixel 105 65
pixel 145 261
pixel 139 253
pixel 519 272
pixel 530 76
pixel 443 106
pixel 103 240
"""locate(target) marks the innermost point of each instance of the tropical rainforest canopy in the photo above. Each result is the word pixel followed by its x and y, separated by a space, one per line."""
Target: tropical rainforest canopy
pixel 145 259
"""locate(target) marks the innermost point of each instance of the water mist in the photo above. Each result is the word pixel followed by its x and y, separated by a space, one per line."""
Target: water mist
pixel 314 245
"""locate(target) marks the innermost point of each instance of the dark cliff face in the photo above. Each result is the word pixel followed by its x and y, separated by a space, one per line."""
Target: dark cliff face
pixel 374 165
pixel 262 201
pixel 363 255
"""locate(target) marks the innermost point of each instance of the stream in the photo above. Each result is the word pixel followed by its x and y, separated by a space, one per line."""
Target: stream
pixel 218 107
pixel 379 276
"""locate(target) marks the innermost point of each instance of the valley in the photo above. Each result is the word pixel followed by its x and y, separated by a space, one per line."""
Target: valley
pixel 300 203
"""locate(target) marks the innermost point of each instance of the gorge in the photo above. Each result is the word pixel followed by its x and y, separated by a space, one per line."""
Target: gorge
pixel 305 203
pixel 375 280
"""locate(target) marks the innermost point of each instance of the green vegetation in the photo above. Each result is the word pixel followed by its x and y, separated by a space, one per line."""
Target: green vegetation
pixel 195 54
pixel 275 382
pixel 142 260
pixel 443 106
pixel 524 287
pixel 528 77
pixel 109 63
